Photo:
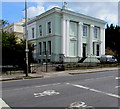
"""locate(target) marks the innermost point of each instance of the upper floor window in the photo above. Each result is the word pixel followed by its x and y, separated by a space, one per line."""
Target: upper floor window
pixel 96 32
pixel 40 30
pixel 84 30
pixel 49 27
pixel 33 33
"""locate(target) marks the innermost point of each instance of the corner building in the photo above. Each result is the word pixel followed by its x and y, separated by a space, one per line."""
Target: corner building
pixel 61 32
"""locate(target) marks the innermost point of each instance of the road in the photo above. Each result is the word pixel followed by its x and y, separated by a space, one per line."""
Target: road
pixel 86 90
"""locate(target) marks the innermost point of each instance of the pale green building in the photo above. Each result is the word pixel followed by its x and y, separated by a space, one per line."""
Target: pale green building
pixel 61 31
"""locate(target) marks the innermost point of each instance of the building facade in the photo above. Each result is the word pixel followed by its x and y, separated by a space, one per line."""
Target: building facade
pixel 61 32
pixel 17 28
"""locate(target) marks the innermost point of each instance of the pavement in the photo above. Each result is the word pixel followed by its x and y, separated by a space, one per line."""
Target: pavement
pixel 54 74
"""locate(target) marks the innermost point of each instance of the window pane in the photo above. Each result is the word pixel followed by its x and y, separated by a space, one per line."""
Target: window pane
pixel 49 27
pixel 40 30
pixel 49 47
pixel 44 48
pixel 84 30
pixel 32 32
pixel 95 32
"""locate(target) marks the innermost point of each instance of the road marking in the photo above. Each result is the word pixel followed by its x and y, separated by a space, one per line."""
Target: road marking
pixel 48 85
pixel 3 104
pixel 79 105
pixel 37 86
pixel 94 90
pixel 46 93
pixel 117 86
pixel 99 78
pixel 117 77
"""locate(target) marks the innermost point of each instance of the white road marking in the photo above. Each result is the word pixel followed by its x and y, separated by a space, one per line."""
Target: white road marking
pixel 117 77
pixel 99 78
pixel 117 86
pixel 48 85
pixel 46 93
pixel 3 104
pixel 78 105
pixel 94 90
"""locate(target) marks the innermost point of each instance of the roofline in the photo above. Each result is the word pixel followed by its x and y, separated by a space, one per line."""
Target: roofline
pixel 83 16
pixel 63 11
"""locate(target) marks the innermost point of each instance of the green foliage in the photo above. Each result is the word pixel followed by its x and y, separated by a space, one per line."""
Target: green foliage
pixel 13 52
pixel 3 23
pixel 112 38
pixel 108 51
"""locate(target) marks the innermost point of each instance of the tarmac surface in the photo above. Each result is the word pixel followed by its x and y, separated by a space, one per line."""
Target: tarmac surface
pixel 7 77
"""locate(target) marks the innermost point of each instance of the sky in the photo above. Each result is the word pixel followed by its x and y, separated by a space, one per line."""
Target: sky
pixel 107 11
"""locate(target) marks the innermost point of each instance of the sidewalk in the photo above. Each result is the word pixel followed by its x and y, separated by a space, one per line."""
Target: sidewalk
pixel 53 74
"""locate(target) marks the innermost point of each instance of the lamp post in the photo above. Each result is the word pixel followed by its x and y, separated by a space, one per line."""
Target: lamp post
pixel 26 35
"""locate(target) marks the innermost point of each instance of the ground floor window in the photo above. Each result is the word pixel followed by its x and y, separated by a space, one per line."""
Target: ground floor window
pixel 44 48
pixel 49 47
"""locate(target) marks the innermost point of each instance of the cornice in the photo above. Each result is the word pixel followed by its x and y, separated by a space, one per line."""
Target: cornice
pixel 83 16
pixel 63 11
pixel 43 37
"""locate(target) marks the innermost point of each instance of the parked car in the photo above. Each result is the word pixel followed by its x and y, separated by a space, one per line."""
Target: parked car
pixel 108 59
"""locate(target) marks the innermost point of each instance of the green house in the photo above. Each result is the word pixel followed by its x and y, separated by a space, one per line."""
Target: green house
pixel 63 35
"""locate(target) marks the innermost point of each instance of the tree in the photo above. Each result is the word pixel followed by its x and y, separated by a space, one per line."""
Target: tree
pixel 13 52
pixel 3 23
pixel 112 38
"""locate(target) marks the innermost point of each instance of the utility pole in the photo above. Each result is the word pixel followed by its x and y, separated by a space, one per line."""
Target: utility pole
pixel 26 35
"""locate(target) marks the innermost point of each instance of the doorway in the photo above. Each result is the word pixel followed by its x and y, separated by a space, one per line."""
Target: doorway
pixel 84 50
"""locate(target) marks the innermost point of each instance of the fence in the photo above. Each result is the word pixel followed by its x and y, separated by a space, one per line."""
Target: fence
pixel 47 63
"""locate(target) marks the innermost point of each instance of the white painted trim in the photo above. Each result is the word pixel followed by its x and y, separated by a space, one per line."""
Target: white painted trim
pixel 63 36
pixel 90 44
pixel 47 28
pixel 83 16
pixel 80 42
pixel 67 38
pixel 102 39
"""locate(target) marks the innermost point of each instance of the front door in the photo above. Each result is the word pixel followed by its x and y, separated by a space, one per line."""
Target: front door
pixel 84 50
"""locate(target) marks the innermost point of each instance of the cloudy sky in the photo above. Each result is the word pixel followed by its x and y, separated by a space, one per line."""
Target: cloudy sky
pixel 108 11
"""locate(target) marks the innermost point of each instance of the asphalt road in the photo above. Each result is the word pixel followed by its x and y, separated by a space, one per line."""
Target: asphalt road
pixel 84 90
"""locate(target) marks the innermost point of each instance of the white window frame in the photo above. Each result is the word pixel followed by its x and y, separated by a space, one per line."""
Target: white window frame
pixel 50 52
pixel 33 32
pixel 96 33
pixel 48 28
pixel 44 52
pixel 85 33
pixel 40 48
pixel 40 30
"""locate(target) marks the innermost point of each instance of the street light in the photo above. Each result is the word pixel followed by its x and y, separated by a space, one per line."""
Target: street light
pixel 26 35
